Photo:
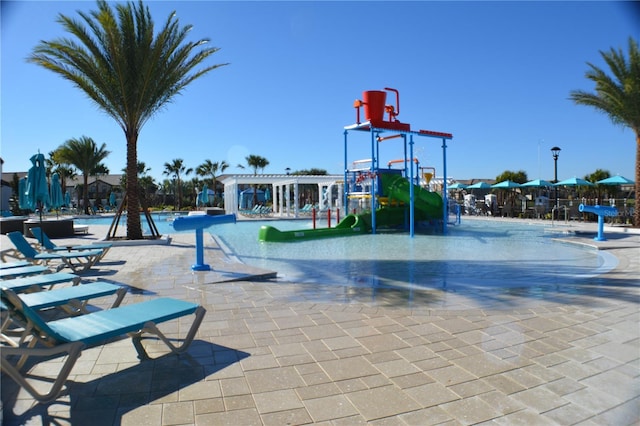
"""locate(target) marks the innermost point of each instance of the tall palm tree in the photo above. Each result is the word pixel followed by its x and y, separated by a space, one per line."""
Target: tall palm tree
pixel 618 96
pixel 176 169
pixel 85 155
pixel 256 162
pixel 209 168
pixel 99 170
pixel 65 171
pixel 127 67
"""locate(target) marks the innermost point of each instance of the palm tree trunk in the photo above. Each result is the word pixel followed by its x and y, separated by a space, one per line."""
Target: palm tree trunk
pixel 636 214
pixel 85 193
pixel 179 184
pixel 134 229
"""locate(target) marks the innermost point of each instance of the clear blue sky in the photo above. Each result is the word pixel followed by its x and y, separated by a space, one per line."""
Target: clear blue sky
pixel 495 74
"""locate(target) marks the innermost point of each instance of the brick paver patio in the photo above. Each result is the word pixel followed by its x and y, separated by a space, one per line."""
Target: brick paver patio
pixel 275 353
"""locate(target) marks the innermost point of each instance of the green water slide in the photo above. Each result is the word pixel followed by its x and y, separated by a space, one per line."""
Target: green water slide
pixel 351 225
pixel 428 205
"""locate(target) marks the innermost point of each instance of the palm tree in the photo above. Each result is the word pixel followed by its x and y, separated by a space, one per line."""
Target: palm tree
pixel 65 171
pixel 256 162
pixel 85 155
pixel 618 96
pixel 176 169
pixel 208 168
pixel 598 190
pixel 99 170
pixel 130 69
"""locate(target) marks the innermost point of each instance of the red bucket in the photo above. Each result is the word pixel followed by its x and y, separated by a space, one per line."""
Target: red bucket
pixel 374 101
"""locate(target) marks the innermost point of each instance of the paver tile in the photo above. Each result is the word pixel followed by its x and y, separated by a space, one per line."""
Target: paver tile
pixel 382 402
pixel 539 399
pixel 280 400
pixel 349 368
pixel 330 407
pixel 431 394
pixel 470 410
pixel 273 379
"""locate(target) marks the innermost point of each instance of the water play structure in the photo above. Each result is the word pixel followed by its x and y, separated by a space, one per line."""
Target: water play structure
pixel 378 197
pixel 601 211
pixel 197 223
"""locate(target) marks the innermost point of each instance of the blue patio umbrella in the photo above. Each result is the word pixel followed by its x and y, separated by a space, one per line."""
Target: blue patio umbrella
pixel 203 197
pixel 37 192
pixel 55 199
pixel 506 184
pixel 457 185
pixel 267 195
pixel 22 194
pixel 479 185
pixel 616 180
pixel 67 199
pixel 112 199
pixel 537 183
pixel 574 182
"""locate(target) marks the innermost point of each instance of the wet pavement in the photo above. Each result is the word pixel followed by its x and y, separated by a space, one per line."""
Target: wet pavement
pixel 278 353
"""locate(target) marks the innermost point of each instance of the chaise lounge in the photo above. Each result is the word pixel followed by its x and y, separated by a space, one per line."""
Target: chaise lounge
pixel 72 300
pixel 44 240
pixel 69 336
pixel 78 261
pixel 23 271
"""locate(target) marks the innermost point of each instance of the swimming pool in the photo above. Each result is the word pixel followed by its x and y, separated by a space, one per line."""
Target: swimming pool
pixel 474 255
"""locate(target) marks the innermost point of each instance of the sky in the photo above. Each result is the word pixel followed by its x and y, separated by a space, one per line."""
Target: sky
pixel 497 75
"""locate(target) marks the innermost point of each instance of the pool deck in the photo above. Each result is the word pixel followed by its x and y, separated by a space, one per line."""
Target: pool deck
pixel 273 353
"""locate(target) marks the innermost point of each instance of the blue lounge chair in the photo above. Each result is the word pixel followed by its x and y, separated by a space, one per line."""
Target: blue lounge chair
pixel 44 240
pixel 23 271
pixel 16 264
pixel 38 282
pixel 78 261
pixel 32 283
pixel 72 300
pixel 69 336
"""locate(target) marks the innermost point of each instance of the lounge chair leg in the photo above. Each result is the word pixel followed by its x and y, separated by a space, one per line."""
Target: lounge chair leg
pixel 73 351
pixel 151 328
pixel 136 339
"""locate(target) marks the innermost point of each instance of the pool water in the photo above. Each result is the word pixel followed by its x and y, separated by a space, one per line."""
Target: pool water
pixel 475 254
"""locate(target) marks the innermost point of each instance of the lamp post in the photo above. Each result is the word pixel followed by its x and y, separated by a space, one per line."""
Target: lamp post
pixel 288 171
pixel 555 151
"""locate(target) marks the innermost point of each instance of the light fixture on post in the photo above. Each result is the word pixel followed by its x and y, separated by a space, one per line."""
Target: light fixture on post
pixel 287 170
pixel 555 151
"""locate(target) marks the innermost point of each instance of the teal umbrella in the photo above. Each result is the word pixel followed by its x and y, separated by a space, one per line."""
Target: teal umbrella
pixel 506 184
pixel 67 199
pixel 479 185
pixel 112 199
pixel 537 183
pixel 55 199
pixel 203 197
pixel 616 180
pixel 37 193
pixel 22 194
pixel 457 185
pixel 574 182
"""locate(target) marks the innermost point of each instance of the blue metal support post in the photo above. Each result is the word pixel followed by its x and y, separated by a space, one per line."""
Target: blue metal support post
pixel 345 194
pixel 373 185
pixel 411 190
pixel 200 265
pixel 445 195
